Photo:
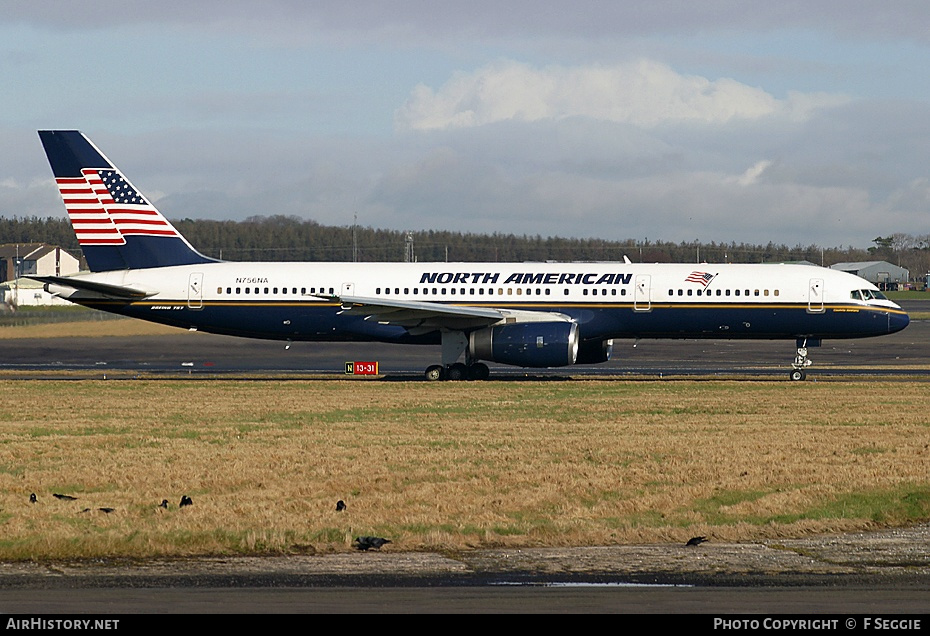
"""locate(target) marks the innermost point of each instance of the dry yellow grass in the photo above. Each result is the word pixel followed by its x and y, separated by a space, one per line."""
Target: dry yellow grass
pixel 87 329
pixel 451 465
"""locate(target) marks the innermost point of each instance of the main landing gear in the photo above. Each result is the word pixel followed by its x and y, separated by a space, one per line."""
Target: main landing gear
pixel 454 344
pixel 458 371
pixel 801 361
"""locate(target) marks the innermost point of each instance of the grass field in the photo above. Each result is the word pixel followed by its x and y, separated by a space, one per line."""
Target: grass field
pixel 450 466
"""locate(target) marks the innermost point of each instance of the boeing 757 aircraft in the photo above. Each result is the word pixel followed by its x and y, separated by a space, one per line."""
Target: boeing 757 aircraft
pixel 522 314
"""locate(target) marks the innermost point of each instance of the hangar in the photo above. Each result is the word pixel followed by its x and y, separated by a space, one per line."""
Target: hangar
pixel 888 277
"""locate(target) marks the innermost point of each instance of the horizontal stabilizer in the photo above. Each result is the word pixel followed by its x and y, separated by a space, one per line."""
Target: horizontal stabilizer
pixel 114 291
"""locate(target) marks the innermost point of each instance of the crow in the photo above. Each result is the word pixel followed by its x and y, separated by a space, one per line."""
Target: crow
pixel 365 543
pixel 696 541
pixel 185 501
pixel 340 505
pixel 63 497
pixel 33 498
pixel 163 504
pixel 106 510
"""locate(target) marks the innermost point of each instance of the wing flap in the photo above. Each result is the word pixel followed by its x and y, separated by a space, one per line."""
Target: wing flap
pixel 425 316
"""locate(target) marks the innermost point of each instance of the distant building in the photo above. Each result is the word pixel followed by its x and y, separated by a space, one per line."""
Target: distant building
pixel 888 277
pixel 35 259
pixel 24 292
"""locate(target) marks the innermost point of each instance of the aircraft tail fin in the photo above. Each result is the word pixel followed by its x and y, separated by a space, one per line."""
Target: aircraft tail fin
pixel 116 226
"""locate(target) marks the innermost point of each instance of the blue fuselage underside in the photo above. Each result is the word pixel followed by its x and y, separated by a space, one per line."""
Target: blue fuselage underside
pixel 322 321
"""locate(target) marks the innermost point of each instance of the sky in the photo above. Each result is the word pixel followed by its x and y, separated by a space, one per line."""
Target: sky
pixel 722 120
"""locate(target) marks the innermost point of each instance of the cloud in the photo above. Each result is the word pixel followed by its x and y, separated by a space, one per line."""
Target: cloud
pixel 752 175
pixel 644 93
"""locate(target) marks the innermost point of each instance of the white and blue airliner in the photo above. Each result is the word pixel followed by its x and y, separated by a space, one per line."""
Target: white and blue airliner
pixel 522 314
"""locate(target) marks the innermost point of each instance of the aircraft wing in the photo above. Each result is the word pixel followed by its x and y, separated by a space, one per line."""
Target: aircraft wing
pixel 422 317
pixel 107 289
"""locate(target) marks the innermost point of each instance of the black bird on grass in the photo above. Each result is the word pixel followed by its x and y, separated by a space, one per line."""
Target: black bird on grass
pixel 33 498
pixel 63 497
pixel 185 501
pixel 696 541
pixel 340 505
pixel 106 510
pixel 163 504
pixel 366 543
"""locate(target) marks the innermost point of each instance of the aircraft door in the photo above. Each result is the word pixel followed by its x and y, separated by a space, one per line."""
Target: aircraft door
pixel 348 289
pixel 642 295
pixel 195 291
pixel 815 296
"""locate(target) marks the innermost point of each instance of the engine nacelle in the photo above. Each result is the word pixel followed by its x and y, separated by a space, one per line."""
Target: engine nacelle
pixel 595 351
pixel 527 344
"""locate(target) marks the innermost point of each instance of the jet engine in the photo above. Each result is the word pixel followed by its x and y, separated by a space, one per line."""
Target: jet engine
pixel 595 351
pixel 527 344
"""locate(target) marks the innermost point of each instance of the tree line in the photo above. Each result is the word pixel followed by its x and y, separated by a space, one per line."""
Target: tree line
pixel 288 238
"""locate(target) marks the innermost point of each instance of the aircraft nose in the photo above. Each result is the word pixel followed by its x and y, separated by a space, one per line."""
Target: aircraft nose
pixel 897 321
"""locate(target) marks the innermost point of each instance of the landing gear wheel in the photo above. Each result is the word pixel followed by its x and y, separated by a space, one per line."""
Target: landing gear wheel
pixel 457 371
pixel 435 373
pixel 478 371
pixel 797 375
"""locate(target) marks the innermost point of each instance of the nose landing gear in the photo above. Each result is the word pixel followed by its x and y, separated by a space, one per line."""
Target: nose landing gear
pixel 801 361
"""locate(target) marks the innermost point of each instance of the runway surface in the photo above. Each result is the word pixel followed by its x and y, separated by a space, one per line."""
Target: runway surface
pixel 208 355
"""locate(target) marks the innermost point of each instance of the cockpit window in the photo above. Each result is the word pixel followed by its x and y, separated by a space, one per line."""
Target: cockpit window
pixel 867 294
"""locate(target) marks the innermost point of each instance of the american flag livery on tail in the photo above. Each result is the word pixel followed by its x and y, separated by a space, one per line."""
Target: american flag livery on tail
pixel 115 225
